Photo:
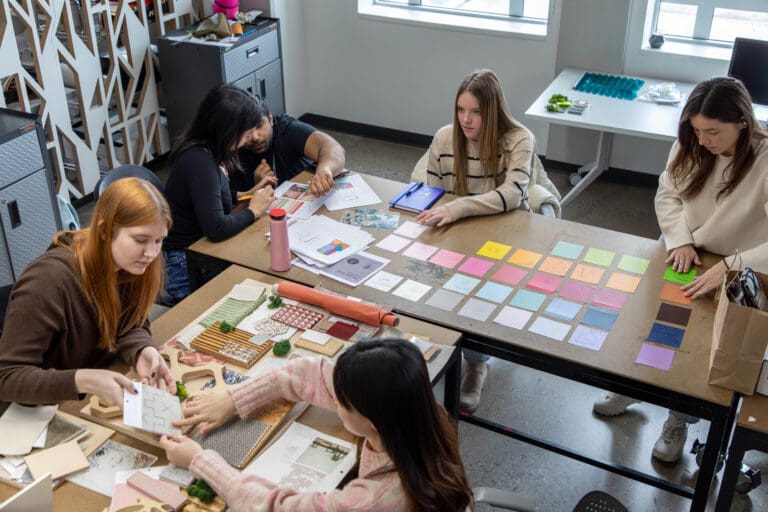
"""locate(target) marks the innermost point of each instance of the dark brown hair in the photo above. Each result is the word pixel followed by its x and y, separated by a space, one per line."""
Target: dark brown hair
pixel 484 85
pixel 724 99
pixel 386 381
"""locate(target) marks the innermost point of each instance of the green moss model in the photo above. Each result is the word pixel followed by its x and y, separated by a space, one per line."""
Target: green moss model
pixel 275 301
pixel 281 348
pixel 181 391
pixel 226 327
pixel 202 491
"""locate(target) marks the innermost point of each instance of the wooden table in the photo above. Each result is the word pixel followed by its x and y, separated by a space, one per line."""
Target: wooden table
pixel 684 388
pixel 69 497
pixel 751 433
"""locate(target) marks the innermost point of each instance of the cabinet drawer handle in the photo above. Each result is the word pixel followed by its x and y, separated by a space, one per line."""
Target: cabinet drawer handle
pixel 250 53
pixel 13 211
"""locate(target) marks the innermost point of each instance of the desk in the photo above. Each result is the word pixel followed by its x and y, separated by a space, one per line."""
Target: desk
pixel 748 435
pixel 684 388
pixel 638 118
pixel 69 497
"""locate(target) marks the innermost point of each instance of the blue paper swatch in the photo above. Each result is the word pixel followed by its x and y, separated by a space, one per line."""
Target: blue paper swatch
pixel 563 309
pixel 529 300
pixel 599 317
pixel 567 250
pixel 666 335
pixel 494 292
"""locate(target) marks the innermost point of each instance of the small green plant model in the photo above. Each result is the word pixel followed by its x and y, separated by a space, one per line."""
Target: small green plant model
pixel 202 491
pixel 558 103
pixel 226 327
pixel 181 391
pixel 275 301
pixel 281 348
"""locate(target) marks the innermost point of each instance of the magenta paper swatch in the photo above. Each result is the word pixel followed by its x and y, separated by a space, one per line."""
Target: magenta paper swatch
pixel 476 266
pixel 609 299
pixel 544 283
pixel 655 356
pixel 420 251
pixel 579 292
pixel 509 274
pixel 446 258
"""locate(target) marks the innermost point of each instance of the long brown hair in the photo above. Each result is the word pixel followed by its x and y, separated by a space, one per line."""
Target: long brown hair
pixel 484 85
pixel 386 381
pixel 724 99
pixel 125 203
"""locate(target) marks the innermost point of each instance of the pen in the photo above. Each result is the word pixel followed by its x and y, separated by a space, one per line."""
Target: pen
pixel 414 188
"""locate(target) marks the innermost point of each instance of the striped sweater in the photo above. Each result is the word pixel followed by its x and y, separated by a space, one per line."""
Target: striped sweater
pixel 517 159
pixel 310 380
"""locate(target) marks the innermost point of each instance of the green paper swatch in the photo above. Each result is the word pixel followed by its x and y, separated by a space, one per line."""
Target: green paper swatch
pixel 679 277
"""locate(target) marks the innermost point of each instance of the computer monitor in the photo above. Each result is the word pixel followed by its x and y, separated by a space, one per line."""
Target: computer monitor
pixel 749 63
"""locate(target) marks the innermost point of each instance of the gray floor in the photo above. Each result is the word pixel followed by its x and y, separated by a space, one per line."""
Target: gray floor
pixel 514 395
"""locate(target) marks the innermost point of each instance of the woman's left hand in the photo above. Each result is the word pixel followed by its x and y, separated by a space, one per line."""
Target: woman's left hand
pixel 152 370
pixel 439 216
pixel 706 282
pixel 180 449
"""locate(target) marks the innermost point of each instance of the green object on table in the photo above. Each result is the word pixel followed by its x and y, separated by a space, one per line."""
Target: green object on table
pixel 225 326
pixel 275 301
pixel 633 264
pixel 558 103
pixel 202 491
pixel 181 391
pixel 281 348
pixel 679 277
pixel 232 311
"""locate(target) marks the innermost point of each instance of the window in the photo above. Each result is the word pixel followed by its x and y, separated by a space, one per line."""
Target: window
pixel 533 11
pixel 712 21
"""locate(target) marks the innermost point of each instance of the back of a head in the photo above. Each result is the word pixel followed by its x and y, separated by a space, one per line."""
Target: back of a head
pixel 386 380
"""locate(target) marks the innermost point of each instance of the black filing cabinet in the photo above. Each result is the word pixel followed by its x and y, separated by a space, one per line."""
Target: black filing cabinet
pixel 29 215
pixel 189 68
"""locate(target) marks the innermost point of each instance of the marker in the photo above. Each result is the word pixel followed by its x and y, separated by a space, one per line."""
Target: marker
pixel 414 189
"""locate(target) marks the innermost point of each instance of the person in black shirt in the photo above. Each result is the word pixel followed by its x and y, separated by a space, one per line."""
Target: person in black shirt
pixel 203 159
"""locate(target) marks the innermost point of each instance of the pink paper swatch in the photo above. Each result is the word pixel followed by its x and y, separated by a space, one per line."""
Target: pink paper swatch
pixel 509 274
pixel 446 258
pixel 544 283
pixel 577 291
pixel 476 266
pixel 655 356
pixel 420 251
pixel 609 299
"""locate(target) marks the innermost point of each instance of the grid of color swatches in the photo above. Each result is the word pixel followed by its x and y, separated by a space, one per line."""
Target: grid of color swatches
pixel 668 329
pixel 574 292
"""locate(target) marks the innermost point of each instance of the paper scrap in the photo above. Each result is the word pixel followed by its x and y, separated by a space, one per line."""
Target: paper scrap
pixel 524 258
pixel 411 229
pixel 446 258
pixel 420 251
pixel 461 283
pixel 588 337
pixel 383 281
pixel 515 318
pixel 549 328
pixel 476 266
pixel 412 290
pixel 599 257
pixel 527 299
pixel 567 250
pixel 393 243
pixel 655 356
pixel 494 250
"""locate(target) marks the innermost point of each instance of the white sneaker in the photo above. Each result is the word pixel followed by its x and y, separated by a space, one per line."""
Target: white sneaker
pixel 613 404
pixel 669 445
pixel 472 386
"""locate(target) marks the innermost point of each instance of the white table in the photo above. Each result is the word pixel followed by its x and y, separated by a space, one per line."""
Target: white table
pixel 639 118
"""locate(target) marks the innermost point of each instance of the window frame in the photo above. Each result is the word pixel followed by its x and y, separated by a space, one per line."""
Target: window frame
pixel 516 11
pixel 705 13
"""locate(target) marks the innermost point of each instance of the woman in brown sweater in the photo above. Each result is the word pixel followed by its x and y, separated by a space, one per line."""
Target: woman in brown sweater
pixel 86 298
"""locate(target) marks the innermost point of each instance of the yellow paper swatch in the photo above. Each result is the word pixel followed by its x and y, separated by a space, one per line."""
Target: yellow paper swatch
pixel 524 258
pixel 623 282
pixel 557 266
pixel 587 274
pixel 494 250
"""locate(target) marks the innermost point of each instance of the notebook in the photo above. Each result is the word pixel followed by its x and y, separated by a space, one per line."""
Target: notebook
pixel 417 197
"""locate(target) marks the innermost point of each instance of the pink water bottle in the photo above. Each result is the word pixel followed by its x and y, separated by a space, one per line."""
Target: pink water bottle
pixel 228 7
pixel 278 235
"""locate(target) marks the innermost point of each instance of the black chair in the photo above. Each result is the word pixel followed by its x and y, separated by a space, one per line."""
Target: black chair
pixel 594 501
pixel 127 171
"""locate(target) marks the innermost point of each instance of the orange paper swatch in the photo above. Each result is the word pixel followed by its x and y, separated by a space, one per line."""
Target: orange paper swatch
pixel 587 274
pixel 623 282
pixel 671 292
pixel 524 258
pixel 557 266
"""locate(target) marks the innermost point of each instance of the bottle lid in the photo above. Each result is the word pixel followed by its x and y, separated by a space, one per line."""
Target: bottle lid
pixel 277 213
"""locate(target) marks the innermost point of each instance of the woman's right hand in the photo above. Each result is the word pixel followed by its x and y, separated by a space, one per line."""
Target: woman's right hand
pixel 107 385
pixel 681 258
pixel 261 200
pixel 208 411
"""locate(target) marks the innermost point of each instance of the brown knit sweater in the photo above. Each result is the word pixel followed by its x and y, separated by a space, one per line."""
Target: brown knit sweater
pixel 50 331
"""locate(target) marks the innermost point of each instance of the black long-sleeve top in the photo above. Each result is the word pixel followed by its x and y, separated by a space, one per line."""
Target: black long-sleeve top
pixel 201 201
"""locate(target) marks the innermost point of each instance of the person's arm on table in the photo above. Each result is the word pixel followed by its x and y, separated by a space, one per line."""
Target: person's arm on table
pixel 330 158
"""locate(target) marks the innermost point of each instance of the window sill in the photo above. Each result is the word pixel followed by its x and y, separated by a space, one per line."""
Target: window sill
pixel 681 48
pixel 457 22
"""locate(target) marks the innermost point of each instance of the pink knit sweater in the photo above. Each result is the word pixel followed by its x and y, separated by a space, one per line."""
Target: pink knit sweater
pixel 309 380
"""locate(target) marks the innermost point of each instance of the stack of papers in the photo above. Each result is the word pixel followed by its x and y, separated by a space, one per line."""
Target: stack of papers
pixel 321 241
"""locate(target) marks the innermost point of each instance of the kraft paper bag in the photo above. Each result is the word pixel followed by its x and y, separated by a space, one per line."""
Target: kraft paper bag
pixel 738 342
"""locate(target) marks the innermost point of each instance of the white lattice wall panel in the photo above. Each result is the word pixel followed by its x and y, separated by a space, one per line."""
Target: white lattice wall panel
pixel 50 54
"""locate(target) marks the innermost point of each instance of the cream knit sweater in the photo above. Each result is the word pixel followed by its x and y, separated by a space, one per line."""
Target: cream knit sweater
pixel 738 221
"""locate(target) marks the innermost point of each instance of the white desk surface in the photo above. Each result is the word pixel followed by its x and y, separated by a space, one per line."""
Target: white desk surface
pixel 637 117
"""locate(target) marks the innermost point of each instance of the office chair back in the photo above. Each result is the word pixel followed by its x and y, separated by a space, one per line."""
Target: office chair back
pixel 599 501
pixel 594 501
pixel 127 171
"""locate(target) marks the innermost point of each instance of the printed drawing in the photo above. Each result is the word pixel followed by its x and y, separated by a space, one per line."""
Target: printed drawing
pixel 318 460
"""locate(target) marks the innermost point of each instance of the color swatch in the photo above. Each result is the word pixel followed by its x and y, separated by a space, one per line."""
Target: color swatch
pixel 679 277
pixel 444 299
pixel 599 257
pixel 666 335
pixel 673 314
pixel 529 300
pixel 420 251
pixel 477 309
pixel 588 337
pixel 525 258
pixel 608 299
pixel 446 258
pixel 623 282
pixel 476 266
pixel 549 328
pixel 461 283
pixel 494 292
pixel 577 291
pixel 634 264
pixel 544 283
pixel 587 274
pixel 494 250
pixel 509 274
pixel 567 250
pixel 671 292
pixel 562 309
pixel 655 356
pixel 556 266
pixel 513 317
pixel 599 317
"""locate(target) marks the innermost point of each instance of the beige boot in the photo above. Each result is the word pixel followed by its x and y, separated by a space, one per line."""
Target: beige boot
pixel 669 446
pixel 472 386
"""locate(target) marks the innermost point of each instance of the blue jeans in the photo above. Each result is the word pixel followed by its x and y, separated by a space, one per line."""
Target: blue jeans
pixel 471 356
pixel 176 275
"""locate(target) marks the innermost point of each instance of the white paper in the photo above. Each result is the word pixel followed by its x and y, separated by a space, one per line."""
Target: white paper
pixel 246 293
pixel 412 290
pixel 352 270
pixel 383 281
pixel 40 441
pixel 393 243
pixel 320 338
pixel 411 229
pixel 296 199
pixel 302 459
pixel 326 241
pixel 350 192
pixel 151 409
pixel 20 427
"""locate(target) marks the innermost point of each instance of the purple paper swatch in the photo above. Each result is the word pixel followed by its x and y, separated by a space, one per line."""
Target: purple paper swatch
pixel 655 356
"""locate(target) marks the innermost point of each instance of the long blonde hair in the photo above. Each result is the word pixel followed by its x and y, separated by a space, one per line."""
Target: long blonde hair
pixel 484 85
pixel 122 300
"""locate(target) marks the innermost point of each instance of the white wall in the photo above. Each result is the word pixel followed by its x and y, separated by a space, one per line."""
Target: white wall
pixel 402 76
pixel 295 48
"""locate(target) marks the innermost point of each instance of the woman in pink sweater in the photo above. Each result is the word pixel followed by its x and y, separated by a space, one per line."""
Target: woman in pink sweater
pixel 409 458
